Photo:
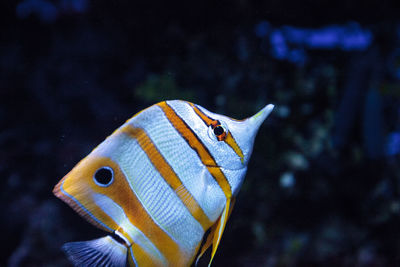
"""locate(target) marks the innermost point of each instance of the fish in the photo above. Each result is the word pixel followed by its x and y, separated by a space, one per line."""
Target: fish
pixel 158 184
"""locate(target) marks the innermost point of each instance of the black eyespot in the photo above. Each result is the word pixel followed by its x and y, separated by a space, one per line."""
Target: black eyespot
pixel 219 130
pixel 104 176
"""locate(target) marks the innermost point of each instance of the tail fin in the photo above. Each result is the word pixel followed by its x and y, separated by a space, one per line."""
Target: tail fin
pixel 104 251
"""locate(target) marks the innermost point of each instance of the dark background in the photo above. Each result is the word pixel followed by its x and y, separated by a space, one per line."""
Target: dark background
pixel 322 187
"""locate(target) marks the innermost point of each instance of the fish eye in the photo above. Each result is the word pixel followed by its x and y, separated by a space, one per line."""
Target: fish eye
pixel 104 176
pixel 219 131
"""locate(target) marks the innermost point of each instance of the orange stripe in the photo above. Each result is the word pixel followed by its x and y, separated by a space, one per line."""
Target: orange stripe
pixel 95 211
pixel 232 143
pixel 229 138
pixel 168 174
pixel 142 258
pixel 143 221
pixel 207 120
pixel 120 192
pixel 195 143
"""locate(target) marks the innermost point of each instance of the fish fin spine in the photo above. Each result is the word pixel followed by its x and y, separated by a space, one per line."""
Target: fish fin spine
pixel 105 251
pixel 216 231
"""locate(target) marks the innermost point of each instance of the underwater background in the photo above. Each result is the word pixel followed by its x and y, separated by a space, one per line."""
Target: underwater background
pixel 323 184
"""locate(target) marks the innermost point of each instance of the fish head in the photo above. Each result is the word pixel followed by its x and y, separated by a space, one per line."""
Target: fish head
pixel 231 140
pixel 96 186
pixel 228 141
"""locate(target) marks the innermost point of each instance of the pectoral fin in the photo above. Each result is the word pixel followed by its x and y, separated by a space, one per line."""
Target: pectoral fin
pixel 216 231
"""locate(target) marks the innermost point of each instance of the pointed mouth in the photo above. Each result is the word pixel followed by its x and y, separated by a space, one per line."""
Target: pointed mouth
pixel 260 116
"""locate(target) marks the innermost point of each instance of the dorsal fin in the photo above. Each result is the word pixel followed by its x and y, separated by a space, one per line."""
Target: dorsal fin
pixel 104 251
pixel 216 231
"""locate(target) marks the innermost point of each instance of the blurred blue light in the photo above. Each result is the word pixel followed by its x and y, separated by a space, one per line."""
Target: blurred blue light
pixel 297 56
pixel 290 43
pixel 45 10
pixel 397 72
pixel 393 144
pixel 78 6
pixel 295 35
pixel 287 180
pixel 261 29
pixel 49 11
pixel 324 38
pixel 278 43
pixel 355 38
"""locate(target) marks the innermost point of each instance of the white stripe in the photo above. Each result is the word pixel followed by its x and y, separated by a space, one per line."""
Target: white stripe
pixel 186 164
pixel 156 196
pixel 223 155
pixel 116 213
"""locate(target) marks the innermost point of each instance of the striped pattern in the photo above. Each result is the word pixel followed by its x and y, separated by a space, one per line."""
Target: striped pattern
pixel 184 161
pixel 126 228
pixel 120 194
pixel 168 174
pixel 229 138
pixel 196 144
pixel 171 183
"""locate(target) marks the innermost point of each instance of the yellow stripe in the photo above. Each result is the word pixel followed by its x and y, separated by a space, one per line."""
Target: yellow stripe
pixel 195 143
pixel 120 192
pixel 232 143
pixel 168 174
pixel 229 138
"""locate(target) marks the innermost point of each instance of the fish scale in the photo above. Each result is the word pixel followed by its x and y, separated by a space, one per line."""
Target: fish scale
pixel 167 176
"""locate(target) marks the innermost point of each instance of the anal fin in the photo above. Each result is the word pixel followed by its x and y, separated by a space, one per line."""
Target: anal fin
pixel 104 251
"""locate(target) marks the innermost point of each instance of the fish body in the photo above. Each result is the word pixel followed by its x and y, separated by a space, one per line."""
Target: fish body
pixel 158 183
